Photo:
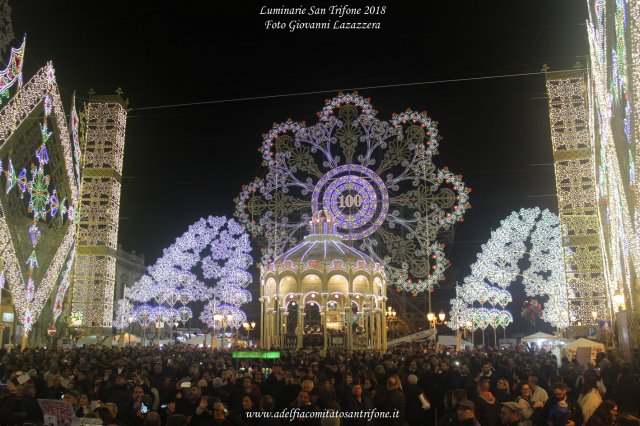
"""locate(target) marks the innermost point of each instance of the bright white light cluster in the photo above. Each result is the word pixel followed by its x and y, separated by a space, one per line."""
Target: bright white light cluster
pixel 528 234
pixel 94 281
pixel 613 106
pixel 229 316
pixel 213 250
pixel 576 185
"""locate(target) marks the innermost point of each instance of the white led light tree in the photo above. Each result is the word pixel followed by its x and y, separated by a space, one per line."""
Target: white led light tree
pixel 528 235
pixel 207 263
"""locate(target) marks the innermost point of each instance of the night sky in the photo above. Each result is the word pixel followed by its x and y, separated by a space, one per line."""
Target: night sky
pixel 182 163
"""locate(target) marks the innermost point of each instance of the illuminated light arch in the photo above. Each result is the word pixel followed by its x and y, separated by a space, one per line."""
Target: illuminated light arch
pixel 32 123
pixel 376 178
pixel 532 234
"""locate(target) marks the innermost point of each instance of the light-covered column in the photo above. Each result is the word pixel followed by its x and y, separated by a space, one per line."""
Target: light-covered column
pixel 324 322
pixel 300 328
pixel 94 279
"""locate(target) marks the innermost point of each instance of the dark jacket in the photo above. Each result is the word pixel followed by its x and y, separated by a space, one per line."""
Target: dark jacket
pixel 416 416
pixel 18 411
pixel 393 402
pixel 488 410
pixel 559 414
pixel 352 405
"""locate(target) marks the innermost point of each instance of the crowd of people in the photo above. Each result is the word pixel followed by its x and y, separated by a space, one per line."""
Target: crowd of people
pixel 407 386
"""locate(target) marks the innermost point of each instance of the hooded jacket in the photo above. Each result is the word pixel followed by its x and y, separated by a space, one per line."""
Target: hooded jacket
pixel 488 409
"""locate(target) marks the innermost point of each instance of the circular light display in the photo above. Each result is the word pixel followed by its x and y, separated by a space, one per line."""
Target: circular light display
pixel 356 197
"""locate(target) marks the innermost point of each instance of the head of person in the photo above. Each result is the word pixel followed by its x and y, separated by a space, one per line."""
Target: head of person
pixel 56 381
pixel 484 385
pixel 510 413
pixel 412 379
pixel 607 411
pixel 392 383
pixel 356 390
pixel 71 397
pixel 112 407
pixel 486 367
pixel 202 384
pixel 267 403
pixel 458 395
pixel 152 418
pixel 533 382
pixel 465 410
pixel 502 385
pixel 247 403
pixel 83 401
pixel 137 393
pixel 559 391
pixel 304 398
pixel 525 391
pixel 195 393
pixel 220 412
pixel 105 414
pixel 307 386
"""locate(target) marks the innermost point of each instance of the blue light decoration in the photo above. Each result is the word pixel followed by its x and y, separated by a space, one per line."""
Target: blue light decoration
pixel 376 177
pixel 346 191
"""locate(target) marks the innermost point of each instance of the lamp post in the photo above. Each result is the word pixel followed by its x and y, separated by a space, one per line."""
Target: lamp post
pixel 223 319
pixel 249 326
pixel 391 316
pixel 618 300
pixel 131 319
pixel 434 321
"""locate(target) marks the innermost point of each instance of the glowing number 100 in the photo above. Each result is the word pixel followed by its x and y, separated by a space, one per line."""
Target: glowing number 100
pixel 349 201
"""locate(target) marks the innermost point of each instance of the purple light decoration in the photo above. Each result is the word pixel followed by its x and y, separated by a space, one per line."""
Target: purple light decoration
pixel 22 182
pixel 42 154
pixel 31 290
pixel 34 234
pixel 364 220
pixel 48 105
pixel 54 204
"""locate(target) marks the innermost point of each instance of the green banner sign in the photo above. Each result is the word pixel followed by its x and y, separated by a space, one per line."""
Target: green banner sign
pixel 256 354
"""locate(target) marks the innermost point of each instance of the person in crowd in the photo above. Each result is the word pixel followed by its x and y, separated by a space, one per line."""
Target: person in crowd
pixel 626 391
pixel 465 410
pixel 589 398
pixel 393 402
pixel 487 407
pixel 152 418
pixel 563 411
pixel 248 404
pixel 538 393
pixel 18 408
pixel 510 414
pixel 502 391
pixel 56 390
pixel 526 405
pixel 605 415
pixel 357 401
pixel 417 405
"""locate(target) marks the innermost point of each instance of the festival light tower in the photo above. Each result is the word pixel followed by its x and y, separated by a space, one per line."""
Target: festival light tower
pixel 103 150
